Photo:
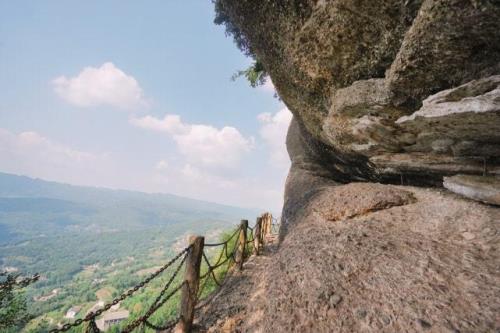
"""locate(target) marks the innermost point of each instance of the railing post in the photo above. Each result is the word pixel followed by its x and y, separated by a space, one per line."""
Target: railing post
pixel 267 225
pixel 257 236
pixel 190 288
pixel 242 241
pixel 270 219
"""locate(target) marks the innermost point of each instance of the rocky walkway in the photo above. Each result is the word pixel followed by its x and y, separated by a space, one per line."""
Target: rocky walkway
pixel 371 258
pixel 233 306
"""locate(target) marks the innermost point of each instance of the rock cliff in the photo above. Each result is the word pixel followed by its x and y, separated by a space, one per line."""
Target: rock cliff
pixel 394 92
pixel 407 89
pixel 367 257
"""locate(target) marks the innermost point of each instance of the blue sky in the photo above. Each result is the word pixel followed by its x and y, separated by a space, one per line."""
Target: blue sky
pixel 135 95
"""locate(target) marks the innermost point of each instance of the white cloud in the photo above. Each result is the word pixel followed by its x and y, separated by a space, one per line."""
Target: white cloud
pixel 191 181
pixel 103 86
pixel 202 145
pixel 273 131
pixel 170 123
pixel 33 154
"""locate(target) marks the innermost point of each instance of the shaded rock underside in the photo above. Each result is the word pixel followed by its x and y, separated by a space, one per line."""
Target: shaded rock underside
pixel 369 79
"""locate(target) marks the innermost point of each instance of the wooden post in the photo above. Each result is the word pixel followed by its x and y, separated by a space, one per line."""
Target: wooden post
pixel 242 241
pixel 267 224
pixel 257 236
pixel 190 288
pixel 266 229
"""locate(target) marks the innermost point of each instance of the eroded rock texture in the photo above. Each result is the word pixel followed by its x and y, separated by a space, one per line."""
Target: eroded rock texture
pixel 385 258
pixel 386 92
pixel 372 258
pixel 408 90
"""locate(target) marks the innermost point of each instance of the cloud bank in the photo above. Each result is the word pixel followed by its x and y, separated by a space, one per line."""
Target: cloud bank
pixel 201 145
pixel 273 131
pixel 33 154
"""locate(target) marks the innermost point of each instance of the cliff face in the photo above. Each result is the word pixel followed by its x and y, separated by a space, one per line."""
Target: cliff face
pixel 401 92
pixel 366 257
pixel 369 80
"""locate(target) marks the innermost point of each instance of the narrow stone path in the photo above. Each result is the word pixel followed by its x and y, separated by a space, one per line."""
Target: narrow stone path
pixel 371 258
pixel 234 304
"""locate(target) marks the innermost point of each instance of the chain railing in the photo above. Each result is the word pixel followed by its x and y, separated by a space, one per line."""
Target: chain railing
pixel 199 271
pixel 15 281
pixel 92 316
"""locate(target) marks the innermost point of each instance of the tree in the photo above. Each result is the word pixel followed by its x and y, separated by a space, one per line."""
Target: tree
pixel 255 74
pixel 13 312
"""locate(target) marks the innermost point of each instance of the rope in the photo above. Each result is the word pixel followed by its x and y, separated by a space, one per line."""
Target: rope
pixel 167 326
pixel 208 299
pixel 211 269
pixel 225 242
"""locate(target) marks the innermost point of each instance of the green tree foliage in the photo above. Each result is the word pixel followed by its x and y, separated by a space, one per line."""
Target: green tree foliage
pixel 222 18
pixel 13 310
pixel 255 74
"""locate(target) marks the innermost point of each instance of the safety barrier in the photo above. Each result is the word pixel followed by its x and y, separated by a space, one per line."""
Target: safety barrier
pixel 198 271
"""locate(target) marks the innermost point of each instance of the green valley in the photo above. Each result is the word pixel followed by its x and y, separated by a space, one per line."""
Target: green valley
pixel 90 244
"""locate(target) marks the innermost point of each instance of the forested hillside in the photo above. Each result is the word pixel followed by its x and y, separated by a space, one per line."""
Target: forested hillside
pixel 89 244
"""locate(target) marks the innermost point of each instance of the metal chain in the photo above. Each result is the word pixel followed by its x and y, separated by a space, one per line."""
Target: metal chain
pixel 93 315
pixel 167 285
pixel 144 320
pixel 151 310
pixel 12 281
pixel 92 327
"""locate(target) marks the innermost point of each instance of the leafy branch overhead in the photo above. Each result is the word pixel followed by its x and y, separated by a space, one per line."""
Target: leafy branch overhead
pixel 255 74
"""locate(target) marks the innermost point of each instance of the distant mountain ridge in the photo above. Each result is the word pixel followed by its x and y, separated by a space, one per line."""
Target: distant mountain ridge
pixel 15 186
pixel 30 207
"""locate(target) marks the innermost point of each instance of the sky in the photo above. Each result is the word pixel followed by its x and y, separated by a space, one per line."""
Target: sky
pixel 137 95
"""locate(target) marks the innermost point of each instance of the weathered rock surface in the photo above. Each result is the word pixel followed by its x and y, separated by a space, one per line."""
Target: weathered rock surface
pixel 404 88
pixel 482 188
pixel 342 202
pixel 401 92
pixel 428 263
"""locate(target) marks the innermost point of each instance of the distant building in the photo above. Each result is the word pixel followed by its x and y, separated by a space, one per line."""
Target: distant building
pixel 44 298
pixel 72 312
pixel 96 306
pixel 111 318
